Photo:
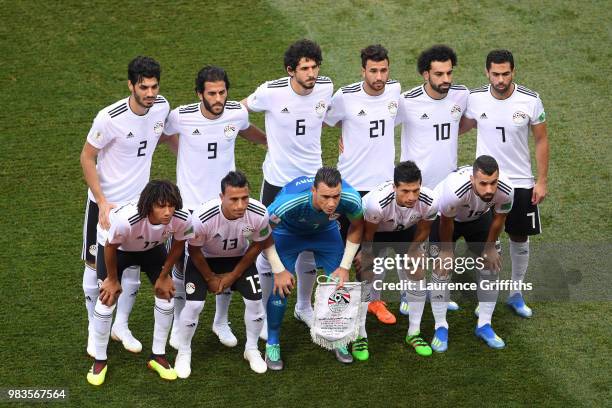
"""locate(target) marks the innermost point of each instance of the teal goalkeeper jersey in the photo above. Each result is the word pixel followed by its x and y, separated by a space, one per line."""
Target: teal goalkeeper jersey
pixel 292 211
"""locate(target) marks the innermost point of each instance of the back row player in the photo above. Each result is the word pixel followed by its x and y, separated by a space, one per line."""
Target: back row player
pixel 294 109
pixel 116 162
pixel 206 134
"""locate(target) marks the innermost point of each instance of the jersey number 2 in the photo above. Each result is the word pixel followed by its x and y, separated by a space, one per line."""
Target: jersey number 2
pixel 141 149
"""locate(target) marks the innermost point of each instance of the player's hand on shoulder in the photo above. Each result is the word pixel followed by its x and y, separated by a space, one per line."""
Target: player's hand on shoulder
pixel 104 210
pixel 540 190
pixel 283 283
pixel 110 291
pixel 164 287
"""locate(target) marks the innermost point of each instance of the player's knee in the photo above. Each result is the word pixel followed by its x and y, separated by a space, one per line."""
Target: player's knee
pixel 103 311
pixel 164 305
pixel 254 310
pixel 192 309
pixel 518 238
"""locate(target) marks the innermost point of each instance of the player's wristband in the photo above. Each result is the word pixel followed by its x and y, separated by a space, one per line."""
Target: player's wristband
pixel 349 253
pixel 274 259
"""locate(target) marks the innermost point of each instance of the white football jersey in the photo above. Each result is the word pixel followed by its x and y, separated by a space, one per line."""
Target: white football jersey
pixel 367 133
pixel 503 129
pixel 206 149
pixel 457 197
pixel 126 142
pixel 380 207
pixel 137 234
pixel 430 131
pixel 220 237
pixel 293 128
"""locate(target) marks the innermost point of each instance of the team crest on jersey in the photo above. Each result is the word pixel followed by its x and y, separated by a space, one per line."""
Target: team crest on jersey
pixel 520 118
pixel 189 288
pixel 158 128
pixel 320 108
pixel 339 300
pixel 247 231
pixel 229 132
pixel 392 106
pixel 334 216
pixel 456 112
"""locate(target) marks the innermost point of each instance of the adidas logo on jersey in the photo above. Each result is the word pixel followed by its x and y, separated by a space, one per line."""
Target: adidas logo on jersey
pixel 129 135
pixel 140 237
pixel 196 132
pixel 362 113
pixel 285 110
pixel 424 116
pixel 483 116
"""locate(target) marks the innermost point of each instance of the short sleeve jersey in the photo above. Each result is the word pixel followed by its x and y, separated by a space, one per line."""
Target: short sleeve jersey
pixel 503 129
pixel 367 133
pixel 380 207
pixel 458 200
pixel 293 127
pixel 430 131
pixel 292 211
pixel 206 149
pixel 220 237
pixel 137 234
pixel 126 142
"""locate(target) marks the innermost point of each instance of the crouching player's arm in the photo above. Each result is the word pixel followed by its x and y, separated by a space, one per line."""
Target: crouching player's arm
pixel 416 249
pixel 259 240
pixel 284 280
pixel 353 239
pixel 111 287
pixel 164 287
pixel 213 282
pixel 492 258
pixel 364 259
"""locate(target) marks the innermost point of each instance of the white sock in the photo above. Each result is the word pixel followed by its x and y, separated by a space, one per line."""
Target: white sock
pixel 439 300
pixel 163 312
pixel 91 291
pixel 416 302
pixel 180 296
pixel 189 323
pixel 266 280
pixel 364 309
pixel 305 268
pixel 102 318
pixel 253 321
pixel 130 283
pixel 222 303
pixel 519 254
pixel 374 293
pixel 486 298
pixel 401 275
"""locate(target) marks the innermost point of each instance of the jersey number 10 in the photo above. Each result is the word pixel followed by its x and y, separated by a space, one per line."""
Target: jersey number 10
pixel 442 131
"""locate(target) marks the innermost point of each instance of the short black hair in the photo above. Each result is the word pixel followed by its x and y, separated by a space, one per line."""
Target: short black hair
pixel 328 175
pixel 234 179
pixel 302 49
pixel 143 67
pixel 406 172
pixel 485 164
pixel 499 57
pixel 160 192
pixel 210 73
pixel 435 53
pixel 374 52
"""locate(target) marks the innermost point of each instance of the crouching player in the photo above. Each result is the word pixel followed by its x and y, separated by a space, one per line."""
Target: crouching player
pixel 474 202
pixel 230 232
pixel 304 216
pixel 136 237
pixel 399 211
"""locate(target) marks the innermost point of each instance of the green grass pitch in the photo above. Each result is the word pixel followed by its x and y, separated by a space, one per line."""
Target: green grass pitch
pixel 63 61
